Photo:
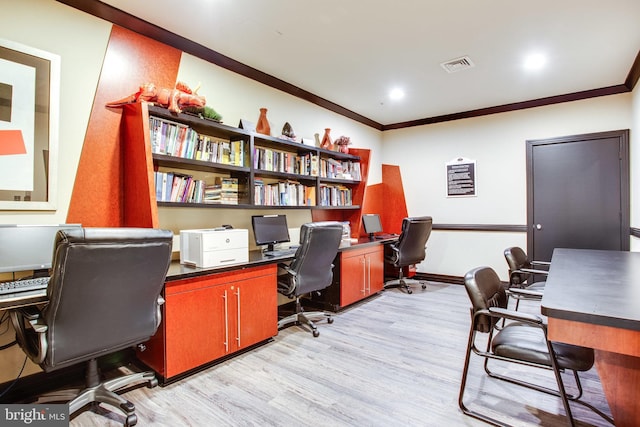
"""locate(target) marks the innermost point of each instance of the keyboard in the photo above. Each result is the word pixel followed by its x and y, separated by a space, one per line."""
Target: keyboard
pixel 26 285
pixel 385 236
pixel 281 252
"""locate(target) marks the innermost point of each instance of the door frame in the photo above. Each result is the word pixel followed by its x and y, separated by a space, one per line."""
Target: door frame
pixel 625 202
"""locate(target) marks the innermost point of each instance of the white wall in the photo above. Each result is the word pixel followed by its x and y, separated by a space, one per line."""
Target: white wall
pixel 498 144
pixel 236 97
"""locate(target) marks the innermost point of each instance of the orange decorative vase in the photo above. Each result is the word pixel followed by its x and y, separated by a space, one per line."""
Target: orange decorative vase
pixel 326 140
pixel 263 124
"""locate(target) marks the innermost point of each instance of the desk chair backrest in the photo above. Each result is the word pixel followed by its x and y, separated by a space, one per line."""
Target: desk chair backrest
pixel 410 248
pixel 517 260
pixel 312 266
pixel 103 293
pixel 485 290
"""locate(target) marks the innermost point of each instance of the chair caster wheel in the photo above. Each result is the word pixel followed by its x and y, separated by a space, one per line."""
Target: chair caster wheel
pixel 131 420
pixel 424 286
pixel 409 291
pixel 316 334
pixel 329 319
pixel 152 383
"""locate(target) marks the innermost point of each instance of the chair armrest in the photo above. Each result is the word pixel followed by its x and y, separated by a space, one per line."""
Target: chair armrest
pixel 29 313
pixel 160 301
pixel 26 323
pixel 533 271
pixel 545 263
pixel 518 316
pixel 525 293
pixel 287 269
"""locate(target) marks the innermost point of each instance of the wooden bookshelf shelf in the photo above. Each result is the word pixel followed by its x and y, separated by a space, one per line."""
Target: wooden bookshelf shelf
pixel 253 160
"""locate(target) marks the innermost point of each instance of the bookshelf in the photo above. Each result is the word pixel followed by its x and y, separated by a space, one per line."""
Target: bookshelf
pixel 181 160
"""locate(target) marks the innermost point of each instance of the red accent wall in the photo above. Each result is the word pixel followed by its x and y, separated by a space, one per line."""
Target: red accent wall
pixel 387 200
pixel 395 205
pixel 130 60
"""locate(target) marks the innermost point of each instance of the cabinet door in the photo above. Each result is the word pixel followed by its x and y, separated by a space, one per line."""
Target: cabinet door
pixel 194 328
pixel 376 270
pixel 255 310
pixel 352 279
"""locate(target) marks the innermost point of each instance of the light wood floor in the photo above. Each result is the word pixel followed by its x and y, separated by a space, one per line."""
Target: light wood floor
pixel 394 360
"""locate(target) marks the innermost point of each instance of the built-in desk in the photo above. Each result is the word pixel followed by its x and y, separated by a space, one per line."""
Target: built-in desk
pixel 592 299
pixel 212 313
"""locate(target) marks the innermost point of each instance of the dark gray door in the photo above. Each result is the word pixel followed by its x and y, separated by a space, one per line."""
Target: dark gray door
pixel 578 193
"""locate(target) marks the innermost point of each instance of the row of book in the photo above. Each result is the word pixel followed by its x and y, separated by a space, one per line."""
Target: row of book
pixel 335 195
pixel 176 139
pixel 183 188
pixel 332 168
pixel 304 164
pixel 178 187
pixel 283 193
pixel 284 161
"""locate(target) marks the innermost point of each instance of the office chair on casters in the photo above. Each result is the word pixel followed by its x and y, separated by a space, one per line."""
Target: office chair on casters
pixel 104 296
pixel 311 270
pixel 409 250
pixel 522 340
pixel 521 269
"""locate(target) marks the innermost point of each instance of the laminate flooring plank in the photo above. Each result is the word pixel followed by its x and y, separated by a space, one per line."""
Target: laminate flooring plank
pixel 392 360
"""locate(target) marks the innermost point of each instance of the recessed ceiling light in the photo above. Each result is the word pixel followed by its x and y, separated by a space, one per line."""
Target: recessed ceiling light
pixel 396 94
pixel 535 61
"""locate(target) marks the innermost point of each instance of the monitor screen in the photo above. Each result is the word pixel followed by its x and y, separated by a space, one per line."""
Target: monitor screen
pixel 28 247
pixel 270 229
pixel 372 224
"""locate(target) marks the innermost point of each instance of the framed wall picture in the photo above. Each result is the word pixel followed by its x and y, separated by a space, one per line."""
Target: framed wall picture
pixel 29 104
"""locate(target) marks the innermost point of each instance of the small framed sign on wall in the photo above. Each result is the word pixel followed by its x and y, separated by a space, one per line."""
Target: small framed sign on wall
pixel 461 178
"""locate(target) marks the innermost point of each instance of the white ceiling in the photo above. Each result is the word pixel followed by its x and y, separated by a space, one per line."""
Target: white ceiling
pixel 352 52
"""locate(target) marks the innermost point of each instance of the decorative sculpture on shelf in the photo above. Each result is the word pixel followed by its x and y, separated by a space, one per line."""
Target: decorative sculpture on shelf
pixel 342 144
pixel 326 140
pixel 174 99
pixel 263 126
pixel 288 133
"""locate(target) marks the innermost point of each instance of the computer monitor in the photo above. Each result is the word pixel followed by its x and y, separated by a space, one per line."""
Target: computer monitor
pixel 270 229
pixel 372 224
pixel 28 247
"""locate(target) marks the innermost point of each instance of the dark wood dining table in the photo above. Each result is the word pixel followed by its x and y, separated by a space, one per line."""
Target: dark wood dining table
pixel 592 299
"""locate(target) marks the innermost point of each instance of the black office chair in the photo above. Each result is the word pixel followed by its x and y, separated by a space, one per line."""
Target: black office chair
pixel 104 296
pixel 409 250
pixel 522 340
pixel 521 270
pixel 311 270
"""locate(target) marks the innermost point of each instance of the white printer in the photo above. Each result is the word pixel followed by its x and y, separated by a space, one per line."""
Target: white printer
pixel 214 247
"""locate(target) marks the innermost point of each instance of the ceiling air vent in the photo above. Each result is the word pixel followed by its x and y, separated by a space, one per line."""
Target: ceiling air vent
pixel 457 64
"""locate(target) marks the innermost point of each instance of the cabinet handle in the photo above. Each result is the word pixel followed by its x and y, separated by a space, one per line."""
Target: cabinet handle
pixel 226 323
pixel 364 276
pixel 368 275
pixel 238 328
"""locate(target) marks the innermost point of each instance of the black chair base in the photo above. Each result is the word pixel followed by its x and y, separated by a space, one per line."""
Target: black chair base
pixel 404 284
pixel 305 318
pixel 102 392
